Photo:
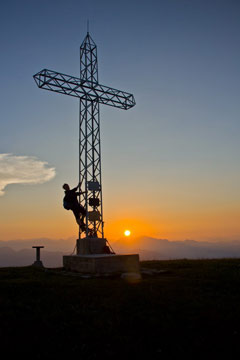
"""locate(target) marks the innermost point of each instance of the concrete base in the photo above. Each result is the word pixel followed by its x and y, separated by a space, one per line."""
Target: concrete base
pixel 88 246
pixel 100 264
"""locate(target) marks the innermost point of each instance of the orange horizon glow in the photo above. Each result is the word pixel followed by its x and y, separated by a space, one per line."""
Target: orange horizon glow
pixel 28 221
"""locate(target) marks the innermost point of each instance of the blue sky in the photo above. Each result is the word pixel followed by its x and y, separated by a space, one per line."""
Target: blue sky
pixel 176 152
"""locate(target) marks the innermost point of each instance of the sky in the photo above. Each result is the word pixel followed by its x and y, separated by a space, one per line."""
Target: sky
pixel 170 165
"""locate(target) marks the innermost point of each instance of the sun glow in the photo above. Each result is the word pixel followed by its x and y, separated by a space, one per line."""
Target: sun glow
pixel 127 232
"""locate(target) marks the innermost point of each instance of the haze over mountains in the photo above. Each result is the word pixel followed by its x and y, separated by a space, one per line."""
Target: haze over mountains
pixel 20 252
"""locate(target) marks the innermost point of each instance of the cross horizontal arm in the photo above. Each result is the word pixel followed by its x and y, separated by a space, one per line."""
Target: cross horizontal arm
pixel 69 85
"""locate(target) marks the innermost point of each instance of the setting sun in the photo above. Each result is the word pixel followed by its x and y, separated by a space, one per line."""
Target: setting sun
pixel 127 232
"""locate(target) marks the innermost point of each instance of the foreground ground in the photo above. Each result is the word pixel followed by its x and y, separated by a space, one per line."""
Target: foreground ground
pixel 190 309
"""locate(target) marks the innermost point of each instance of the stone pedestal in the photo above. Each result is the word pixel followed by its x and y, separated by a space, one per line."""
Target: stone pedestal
pixel 38 263
pixel 102 263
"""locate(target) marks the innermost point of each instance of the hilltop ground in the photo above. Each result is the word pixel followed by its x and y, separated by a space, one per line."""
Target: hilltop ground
pixel 191 309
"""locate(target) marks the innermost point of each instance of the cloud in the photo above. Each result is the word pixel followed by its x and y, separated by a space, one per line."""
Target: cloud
pixel 23 170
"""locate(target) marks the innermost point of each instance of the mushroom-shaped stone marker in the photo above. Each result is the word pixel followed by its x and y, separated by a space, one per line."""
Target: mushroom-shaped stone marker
pixel 38 262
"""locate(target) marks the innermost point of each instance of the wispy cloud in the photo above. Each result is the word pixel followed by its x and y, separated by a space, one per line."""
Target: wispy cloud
pixel 23 170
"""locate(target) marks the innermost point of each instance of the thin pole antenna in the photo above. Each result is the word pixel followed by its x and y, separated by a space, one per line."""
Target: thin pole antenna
pixel 87 25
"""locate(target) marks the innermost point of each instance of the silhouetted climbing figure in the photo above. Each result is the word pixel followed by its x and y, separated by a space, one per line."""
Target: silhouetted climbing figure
pixel 70 202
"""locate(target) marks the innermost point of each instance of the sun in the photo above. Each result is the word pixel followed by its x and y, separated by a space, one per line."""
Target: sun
pixel 127 232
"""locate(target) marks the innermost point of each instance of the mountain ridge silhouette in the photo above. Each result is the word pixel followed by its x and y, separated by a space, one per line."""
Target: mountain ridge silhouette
pixel 20 252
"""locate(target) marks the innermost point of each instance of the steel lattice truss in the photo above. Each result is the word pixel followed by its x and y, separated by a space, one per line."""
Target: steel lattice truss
pixel 91 94
pixel 90 163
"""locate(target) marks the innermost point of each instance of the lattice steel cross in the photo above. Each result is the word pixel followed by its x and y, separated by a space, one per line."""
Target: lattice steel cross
pixel 91 94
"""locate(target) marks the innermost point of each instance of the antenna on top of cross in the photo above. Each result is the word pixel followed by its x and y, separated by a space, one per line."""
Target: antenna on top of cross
pixel 88 26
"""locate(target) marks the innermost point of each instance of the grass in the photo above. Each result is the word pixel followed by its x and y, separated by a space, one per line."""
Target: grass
pixel 191 309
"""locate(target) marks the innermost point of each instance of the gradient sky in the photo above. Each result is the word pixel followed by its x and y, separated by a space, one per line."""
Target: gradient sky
pixel 171 164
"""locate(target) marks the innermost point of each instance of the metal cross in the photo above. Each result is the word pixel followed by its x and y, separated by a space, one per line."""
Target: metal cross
pixel 91 94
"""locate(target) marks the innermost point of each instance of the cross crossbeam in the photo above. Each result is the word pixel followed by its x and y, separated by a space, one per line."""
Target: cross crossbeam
pixel 86 90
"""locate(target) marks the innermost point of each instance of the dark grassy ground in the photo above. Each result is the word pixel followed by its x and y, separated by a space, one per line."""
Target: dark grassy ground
pixel 192 309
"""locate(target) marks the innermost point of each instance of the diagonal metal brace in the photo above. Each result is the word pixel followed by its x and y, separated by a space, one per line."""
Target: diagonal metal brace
pixel 73 86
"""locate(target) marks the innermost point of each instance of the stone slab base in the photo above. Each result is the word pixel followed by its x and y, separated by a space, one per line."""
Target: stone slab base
pixel 38 263
pixel 100 264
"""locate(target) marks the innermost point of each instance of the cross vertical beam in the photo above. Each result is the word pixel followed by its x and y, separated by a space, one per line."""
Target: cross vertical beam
pixel 90 152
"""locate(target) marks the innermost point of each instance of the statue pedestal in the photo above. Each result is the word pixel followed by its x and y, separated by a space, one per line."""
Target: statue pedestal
pixel 102 263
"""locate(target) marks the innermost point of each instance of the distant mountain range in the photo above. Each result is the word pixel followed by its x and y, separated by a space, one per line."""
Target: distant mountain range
pixel 160 249
pixel 20 252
